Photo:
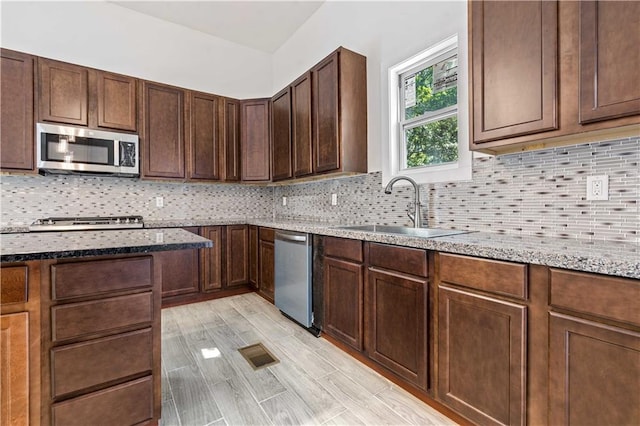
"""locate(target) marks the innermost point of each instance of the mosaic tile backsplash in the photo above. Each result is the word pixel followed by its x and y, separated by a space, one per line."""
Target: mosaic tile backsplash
pixel 26 198
pixel 533 193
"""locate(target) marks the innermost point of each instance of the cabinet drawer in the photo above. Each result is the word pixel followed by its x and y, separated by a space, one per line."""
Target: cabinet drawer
pixel 102 276
pixel 267 234
pixel 13 285
pixel 343 248
pixel 493 276
pixel 79 319
pixel 126 404
pixel 88 364
pixel 608 297
pixel 402 259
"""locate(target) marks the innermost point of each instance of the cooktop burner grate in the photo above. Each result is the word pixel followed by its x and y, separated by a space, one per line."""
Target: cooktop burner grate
pixel 86 223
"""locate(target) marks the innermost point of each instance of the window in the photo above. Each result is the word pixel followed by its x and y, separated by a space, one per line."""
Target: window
pixel 428 138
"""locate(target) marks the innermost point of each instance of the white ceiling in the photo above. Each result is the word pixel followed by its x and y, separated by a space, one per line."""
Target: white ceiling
pixel 261 25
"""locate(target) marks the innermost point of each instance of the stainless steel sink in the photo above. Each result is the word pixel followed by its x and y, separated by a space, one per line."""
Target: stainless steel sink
pixel 403 230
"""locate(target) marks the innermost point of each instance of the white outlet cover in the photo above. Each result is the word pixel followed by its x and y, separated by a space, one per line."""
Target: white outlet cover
pixel 598 188
pixel 334 199
pixel 159 202
pixel 284 201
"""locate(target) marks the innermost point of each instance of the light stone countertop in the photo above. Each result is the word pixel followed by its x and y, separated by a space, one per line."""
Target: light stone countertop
pixel 609 258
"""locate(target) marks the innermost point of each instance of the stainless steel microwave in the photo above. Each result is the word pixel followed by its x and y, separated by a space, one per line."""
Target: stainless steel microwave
pixel 77 150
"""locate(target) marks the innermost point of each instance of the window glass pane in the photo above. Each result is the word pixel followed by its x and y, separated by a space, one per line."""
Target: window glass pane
pixel 431 89
pixel 432 143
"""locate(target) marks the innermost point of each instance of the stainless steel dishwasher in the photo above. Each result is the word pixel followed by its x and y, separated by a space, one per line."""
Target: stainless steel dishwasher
pixel 293 266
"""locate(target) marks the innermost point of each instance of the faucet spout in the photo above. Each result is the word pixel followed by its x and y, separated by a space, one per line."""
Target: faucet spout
pixel 416 217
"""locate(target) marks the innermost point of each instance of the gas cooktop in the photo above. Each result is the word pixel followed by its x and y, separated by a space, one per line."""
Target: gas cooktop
pixel 86 223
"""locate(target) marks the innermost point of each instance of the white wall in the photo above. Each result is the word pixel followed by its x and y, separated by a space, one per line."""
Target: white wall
pixel 386 33
pixel 110 37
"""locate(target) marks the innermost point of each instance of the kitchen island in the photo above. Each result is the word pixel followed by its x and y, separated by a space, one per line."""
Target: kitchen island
pixel 81 324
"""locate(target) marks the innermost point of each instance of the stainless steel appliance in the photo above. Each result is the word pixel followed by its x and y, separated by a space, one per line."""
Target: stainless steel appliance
pixel 86 223
pixel 68 150
pixel 293 266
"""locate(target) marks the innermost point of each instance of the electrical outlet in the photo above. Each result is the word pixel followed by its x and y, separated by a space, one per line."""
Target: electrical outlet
pixel 334 199
pixel 159 237
pixel 598 187
pixel 284 201
pixel 159 202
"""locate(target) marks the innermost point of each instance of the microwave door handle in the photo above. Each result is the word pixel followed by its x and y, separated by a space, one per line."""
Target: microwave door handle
pixel 116 152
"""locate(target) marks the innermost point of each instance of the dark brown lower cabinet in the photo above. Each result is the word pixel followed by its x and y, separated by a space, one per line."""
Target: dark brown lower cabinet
pixel 211 259
pixel 343 301
pixel 237 255
pixel 266 254
pixel 180 270
pixel 593 372
pixel 253 256
pixel 397 324
pixel 101 341
pixel 482 357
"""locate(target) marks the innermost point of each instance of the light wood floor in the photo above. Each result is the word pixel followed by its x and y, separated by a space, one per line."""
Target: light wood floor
pixel 206 381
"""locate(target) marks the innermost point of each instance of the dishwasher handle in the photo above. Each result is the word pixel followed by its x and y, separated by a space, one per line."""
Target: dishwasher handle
pixel 298 238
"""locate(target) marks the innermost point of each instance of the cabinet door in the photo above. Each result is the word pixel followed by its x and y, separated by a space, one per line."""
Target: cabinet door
pixel 14 369
pixel 237 255
pixel 343 301
pixel 204 145
pixel 281 135
pixel 63 92
pixel 397 324
pixel 301 126
pixel 211 259
pixel 163 131
pixel 482 357
pixel 267 266
pixel 514 68
pixel 326 137
pixel 253 256
pixel 609 60
pixel 231 140
pixel 180 271
pixel 594 373
pixel 255 140
pixel 115 101
pixel 16 106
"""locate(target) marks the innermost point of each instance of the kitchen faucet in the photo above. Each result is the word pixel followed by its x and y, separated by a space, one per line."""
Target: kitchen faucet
pixel 415 217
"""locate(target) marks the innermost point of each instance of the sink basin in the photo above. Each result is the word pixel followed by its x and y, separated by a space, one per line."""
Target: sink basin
pixel 404 230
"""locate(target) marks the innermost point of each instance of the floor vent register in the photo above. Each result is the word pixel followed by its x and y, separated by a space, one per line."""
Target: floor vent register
pixel 258 356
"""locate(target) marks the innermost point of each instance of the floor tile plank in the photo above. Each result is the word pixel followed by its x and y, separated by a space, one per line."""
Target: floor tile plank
pixel 237 404
pixel 194 401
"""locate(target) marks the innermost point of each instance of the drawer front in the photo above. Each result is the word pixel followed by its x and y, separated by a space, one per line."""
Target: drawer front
pixel 608 297
pixel 402 259
pixel 343 248
pixel 89 364
pixel 266 234
pixel 101 276
pixel 493 276
pixel 13 285
pixel 126 404
pixel 79 319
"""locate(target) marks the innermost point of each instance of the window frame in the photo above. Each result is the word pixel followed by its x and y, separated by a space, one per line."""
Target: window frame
pixel 395 164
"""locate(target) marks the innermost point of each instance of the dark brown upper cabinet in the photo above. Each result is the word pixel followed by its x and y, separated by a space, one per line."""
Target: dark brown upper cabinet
pixel 231 137
pixel 548 73
pixel 204 150
pixel 113 100
pixel 63 92
pixel 301 126
pixel 82 96
pixel 281 151
pixel 16 106
pixel 514 68
pixel 609 60
pixel 254 137
pixel 339 98
pixel 162 131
